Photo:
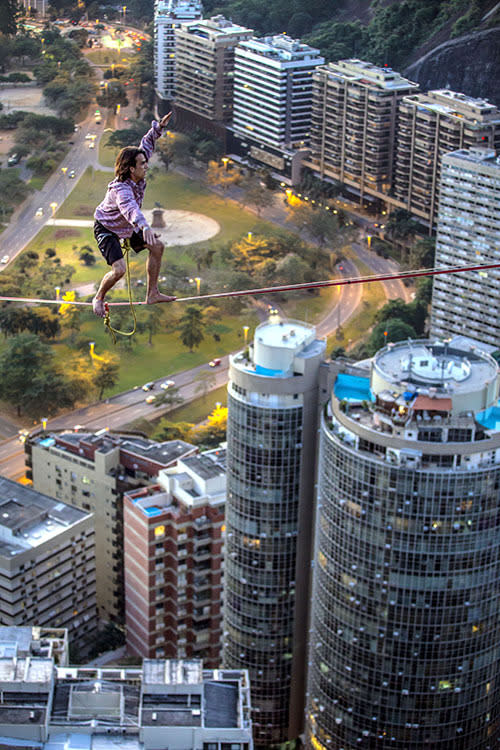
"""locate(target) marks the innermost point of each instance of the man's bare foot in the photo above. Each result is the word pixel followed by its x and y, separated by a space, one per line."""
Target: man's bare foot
pixel 159 297
pixel 98 307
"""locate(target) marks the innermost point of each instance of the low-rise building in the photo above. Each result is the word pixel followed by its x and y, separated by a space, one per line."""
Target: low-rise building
pixel 47 563
pixel 173 561
pixel 92 471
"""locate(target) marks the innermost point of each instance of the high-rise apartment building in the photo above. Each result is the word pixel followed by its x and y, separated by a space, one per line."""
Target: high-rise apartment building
pixel 47 563
pixel 92 471
pixel 468 233
pixel 272 422
pixel 354 123
pixel 431 125
pixel 273 90
pixel 168 16
pixel 173 561
pixel 204 68
pixel 405 632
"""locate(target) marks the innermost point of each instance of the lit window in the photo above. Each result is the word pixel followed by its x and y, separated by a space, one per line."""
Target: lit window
pixel 160 531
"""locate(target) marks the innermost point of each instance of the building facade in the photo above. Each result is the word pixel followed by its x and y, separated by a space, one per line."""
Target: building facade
pixel 405 635
pixel 468 233
pixel 272 418
pixel 168 16
pixel 355 113
pixel 173 561
pixel 204 68
pixel 92 471
pixel 47 564
pixel 273 90
pixel 431 125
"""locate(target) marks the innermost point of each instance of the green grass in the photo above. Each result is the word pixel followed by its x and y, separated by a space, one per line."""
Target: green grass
pixel 37 183
pixel 107 154
pixel 199 409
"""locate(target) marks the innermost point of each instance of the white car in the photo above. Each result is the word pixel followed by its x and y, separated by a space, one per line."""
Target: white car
pixel 5 259
pixel 89 137
pixel 39 211
pixel 91 144
pixel 167 384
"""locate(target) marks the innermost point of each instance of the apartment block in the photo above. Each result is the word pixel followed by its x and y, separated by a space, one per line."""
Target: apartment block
pixel 355 112
pixel 168 16
pixel 468 234
pixel 273 90
pixel 47 563
pixel 272 426
pixel 405 634
pixel 173 561
pixel 204 67
pixel 32 640
pixel 431 125
pixel 45 707
pixel 92 471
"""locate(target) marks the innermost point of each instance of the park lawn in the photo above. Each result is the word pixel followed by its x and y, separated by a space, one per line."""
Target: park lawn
pixel 308 307
pixel 107 55
pixel 167 355
pixel 107 154
pixel 199 409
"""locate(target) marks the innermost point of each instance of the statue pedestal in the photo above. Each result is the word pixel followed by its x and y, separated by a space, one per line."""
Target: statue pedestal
pixel 158 220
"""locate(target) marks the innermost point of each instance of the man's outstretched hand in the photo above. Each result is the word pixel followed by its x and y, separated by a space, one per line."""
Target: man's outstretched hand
pixel 165 120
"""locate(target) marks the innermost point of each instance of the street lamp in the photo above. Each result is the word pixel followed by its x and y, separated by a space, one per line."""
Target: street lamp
pixel 198 282
pixel 245 333
pixel 369 240
pixel 44 421
pixel 58 293
pixel 225 161
pixel 53 206
pixel 124 9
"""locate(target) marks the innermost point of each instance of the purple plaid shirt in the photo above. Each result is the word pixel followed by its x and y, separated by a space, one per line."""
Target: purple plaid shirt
pixel 120 211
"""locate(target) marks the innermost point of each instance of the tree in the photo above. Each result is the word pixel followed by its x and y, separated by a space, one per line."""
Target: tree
pixel 396 330
pixel 191 327
pixel 220 176
pixel 87 255
pixel 173 430
pixel 170 397
pixel 175 149
pixel 213 432
pixel 206 380
pixel 30 378
pixel 401 225
pixel 105 373
pixel 128 136
pixel 8 17
pixel 321 225
pixel 255 192
pixel 114 93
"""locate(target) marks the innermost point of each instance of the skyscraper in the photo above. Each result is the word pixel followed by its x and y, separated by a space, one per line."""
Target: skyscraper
pixel 168 16
pixel 468 233
pixel 431 125
pixel 272 417
pixel 405 632
pixel 355 113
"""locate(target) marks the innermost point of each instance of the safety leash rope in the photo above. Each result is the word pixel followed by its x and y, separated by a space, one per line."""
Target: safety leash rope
pixel 107 321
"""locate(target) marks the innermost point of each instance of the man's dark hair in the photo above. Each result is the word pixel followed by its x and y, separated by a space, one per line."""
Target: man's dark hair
pixel 126 159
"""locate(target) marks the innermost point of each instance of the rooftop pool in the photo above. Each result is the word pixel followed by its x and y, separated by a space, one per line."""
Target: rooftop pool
pixel 352 388
pixel 490 418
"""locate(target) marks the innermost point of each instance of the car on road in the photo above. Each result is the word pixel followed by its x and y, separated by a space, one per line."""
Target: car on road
pixel 71 174
pixel 167 384
pixel 148 386
pixel 91 144
pixel 39 211
pixel 150 399
pixel 5 259
pixel 214 362
pixel 13 160
pixel 89 136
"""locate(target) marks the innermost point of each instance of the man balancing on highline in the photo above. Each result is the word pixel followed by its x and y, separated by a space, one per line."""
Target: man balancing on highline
pixel 119 217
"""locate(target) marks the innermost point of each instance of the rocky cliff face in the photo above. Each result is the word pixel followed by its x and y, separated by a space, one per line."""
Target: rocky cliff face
pixel 469 64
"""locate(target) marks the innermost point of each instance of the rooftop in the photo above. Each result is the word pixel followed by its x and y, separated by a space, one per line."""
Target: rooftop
pixel 486 156
pixel 28 518
pixel 284 48
pixel 204 466
pixel 368 73
pixel 455 104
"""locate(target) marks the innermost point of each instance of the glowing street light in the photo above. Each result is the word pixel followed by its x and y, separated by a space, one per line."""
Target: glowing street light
pixel 245 333
pixel 54 206
pixel 44 421
pixel 369 240
pixel 198 282
pixel 58 293
pixel 225 161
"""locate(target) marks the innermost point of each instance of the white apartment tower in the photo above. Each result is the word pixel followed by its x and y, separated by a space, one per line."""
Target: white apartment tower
pixel 468 233
pixel 272 419
pixel 168 16
pixel 273 90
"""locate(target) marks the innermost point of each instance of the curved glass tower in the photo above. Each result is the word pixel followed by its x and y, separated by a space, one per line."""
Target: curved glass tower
pixel 405 640
pixel 272 423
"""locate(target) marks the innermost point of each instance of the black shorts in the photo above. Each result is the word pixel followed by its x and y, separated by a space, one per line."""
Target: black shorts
pixel 109 243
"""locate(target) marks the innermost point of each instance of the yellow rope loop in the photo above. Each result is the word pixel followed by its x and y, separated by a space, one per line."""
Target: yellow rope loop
pixel 107 322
